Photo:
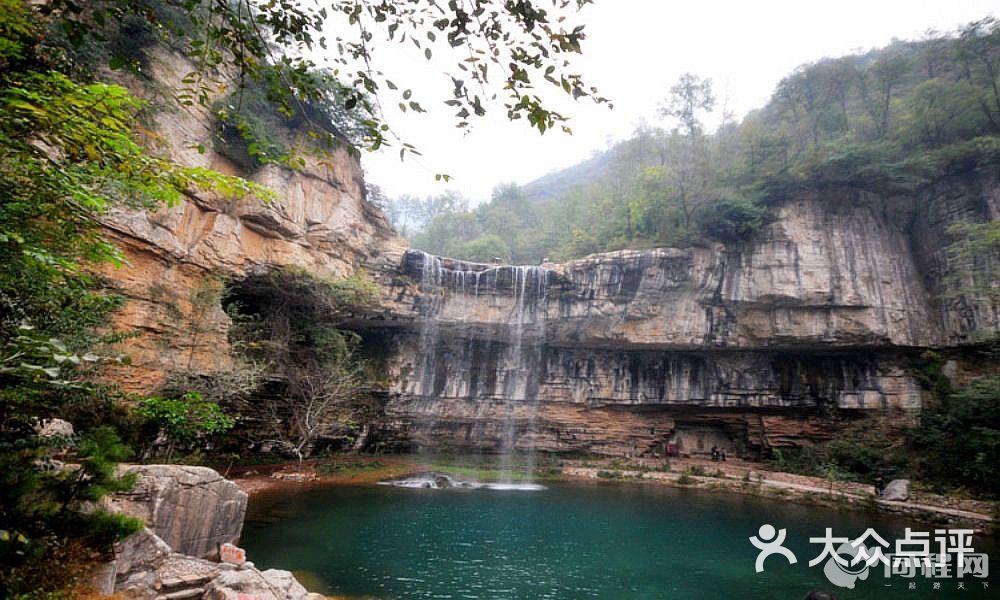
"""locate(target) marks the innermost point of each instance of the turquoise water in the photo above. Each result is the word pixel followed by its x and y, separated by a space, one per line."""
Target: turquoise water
pixel 568 541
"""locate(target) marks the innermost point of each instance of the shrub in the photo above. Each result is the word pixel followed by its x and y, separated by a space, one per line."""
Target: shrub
pixel 732 219
pixel 184 421
pixel 959 438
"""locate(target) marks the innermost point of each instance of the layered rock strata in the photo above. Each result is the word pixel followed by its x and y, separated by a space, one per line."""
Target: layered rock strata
pixel 177 259
pixel 748 346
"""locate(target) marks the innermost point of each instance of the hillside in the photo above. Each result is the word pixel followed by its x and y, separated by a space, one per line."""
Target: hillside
pixel 559 183
pixel 891 121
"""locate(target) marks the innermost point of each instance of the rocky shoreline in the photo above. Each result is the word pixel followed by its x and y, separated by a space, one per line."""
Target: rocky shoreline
pixel 189 513
pixel 733 476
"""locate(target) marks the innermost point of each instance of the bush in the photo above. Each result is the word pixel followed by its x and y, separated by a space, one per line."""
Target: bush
pixel 732 219
pixel 183 421
pixel 959 438
pixel 258 121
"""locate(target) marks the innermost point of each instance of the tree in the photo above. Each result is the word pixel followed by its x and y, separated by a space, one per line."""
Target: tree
pixel 290 322
pixel 977 51
pixel 960 437
pixel 501 51
pixel 67 156
pixel 487 248
pixel 321 397
pixel 689 96
pixel 877 85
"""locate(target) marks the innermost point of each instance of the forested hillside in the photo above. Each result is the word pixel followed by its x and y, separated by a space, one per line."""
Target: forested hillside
pixel 888 121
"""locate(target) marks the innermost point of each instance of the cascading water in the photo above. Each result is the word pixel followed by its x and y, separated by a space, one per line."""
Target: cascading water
pixel 524 336
pixel 520 367
pixel 431 291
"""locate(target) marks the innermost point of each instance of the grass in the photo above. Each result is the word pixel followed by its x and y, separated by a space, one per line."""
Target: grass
pixel 348 468
pixel 484 467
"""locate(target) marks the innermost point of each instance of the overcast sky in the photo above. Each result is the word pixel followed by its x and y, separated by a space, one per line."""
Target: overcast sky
pixel 635 50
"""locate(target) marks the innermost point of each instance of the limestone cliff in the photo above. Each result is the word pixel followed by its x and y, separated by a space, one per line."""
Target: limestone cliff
pixel 744 345
pixel 747 345
pixel 179 257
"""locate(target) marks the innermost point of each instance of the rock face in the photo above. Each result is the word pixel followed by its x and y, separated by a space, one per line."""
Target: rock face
pixel 178 258
pixel 192 509
pixel 744 346
pixel 189 512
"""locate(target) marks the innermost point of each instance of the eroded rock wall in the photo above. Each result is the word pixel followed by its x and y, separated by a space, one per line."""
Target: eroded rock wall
pixel 178 258
pixel 189 513
pixel 753 343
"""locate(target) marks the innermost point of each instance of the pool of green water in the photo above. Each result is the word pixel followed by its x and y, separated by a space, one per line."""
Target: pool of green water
pixel 568 541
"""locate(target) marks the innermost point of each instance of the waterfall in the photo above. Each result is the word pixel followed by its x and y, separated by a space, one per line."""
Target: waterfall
pixel 431 277
pixel 442 280
pixel 520 368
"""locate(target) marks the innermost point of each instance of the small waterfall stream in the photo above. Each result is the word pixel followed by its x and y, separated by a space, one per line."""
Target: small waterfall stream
pixel 516 383
pixel 520 367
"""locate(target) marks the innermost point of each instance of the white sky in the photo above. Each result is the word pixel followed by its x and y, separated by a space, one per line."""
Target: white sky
pixel 635 50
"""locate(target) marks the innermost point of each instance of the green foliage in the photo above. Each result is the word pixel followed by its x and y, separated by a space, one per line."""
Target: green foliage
pixel 732 219
pixel 497 49
pixel 185 421
pixel 485 248
pixel 859 450
pixel 956 444
pixel 890 122
pixel 68 155
pixel 258 123
pixel 928 370
pixel 959 438
pixel 246 138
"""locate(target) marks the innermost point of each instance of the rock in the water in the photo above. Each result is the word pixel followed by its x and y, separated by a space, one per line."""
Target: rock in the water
pixel 898 490
pixel 193 509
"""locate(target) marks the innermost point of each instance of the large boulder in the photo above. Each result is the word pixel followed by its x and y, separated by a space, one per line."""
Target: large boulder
pixel 189 512
pixel 192 509
pixel 897 490
pixel 251 583
pixel 136 560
